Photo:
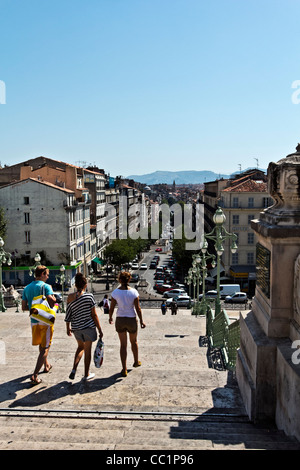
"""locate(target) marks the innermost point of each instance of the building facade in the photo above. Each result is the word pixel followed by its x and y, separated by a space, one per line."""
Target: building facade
pixel 241 199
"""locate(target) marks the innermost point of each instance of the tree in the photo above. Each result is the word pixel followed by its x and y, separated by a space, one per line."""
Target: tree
pixel 3 223
pixel 183 257
pixel 119 252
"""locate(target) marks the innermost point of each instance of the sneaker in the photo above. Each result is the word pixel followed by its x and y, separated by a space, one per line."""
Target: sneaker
pixel 89 377
pixel 72 375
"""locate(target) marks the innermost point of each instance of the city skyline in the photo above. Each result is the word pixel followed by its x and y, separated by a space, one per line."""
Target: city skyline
pixel 135 87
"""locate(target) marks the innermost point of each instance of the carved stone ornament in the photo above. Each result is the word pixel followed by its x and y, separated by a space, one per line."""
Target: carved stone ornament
pixel 284 187
pixel 297 286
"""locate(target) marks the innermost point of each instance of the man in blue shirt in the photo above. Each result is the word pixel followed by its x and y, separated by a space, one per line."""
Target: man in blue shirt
pixel 41 334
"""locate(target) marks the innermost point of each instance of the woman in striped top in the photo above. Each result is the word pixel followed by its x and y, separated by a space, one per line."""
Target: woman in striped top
pixel 82 320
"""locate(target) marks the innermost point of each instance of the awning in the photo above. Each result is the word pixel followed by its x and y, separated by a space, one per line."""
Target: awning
pixel 98 260
pixel 243 271
pixel 214 271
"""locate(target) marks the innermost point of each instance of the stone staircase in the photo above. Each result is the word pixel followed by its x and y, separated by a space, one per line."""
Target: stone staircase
pixel 181 399
pixel 60 431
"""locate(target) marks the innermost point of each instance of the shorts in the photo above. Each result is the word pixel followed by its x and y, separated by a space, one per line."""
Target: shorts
pixel 124 324
pixel 42 335
pixel 87 334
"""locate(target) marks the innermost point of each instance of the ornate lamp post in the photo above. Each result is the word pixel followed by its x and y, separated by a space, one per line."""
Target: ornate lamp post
pixel 91 278
pixel 196 269
pixel 60 279
pixel 219 234
pixel 188 280
pixel 4 258
pixel 204 258
pixel 37 260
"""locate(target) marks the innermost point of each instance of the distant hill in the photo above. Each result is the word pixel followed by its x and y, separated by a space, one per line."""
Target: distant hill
pixel 180 177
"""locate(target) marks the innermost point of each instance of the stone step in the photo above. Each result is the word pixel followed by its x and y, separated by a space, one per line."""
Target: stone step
pixel 32 433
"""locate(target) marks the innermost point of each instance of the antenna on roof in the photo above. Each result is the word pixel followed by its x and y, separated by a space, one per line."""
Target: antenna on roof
pixel 256 162
pixel 240 167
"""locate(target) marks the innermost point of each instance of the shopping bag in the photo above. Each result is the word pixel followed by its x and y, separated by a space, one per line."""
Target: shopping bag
pixel 98 354
pixel 41 310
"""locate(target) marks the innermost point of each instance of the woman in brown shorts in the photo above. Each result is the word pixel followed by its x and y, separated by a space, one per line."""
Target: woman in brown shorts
pixel 127 301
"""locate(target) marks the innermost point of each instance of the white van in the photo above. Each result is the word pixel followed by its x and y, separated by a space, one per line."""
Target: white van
pixel 229 289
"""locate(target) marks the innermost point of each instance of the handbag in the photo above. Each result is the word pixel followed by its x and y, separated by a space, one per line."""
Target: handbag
pixel 98 354
pixel 41 310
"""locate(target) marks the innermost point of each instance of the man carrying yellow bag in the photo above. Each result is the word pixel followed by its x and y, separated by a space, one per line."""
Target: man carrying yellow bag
pixel 42 323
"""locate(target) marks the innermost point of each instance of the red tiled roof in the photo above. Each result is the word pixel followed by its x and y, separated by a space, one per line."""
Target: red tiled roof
pixel 248 186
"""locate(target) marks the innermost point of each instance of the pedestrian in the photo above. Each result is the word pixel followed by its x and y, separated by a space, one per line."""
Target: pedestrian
pixel 41 334
pixel 128 306
pixel 82 320
pixel 163 307
pixel 174 307
pixel 106 304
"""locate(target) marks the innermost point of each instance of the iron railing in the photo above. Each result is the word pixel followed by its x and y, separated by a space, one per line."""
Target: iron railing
pixel 223 335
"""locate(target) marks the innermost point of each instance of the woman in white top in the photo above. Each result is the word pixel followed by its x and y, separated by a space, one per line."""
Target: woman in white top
pixel 127 300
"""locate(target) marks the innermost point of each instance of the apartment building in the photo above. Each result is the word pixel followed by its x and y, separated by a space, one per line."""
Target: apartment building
pixel 45 217
pixel 93 213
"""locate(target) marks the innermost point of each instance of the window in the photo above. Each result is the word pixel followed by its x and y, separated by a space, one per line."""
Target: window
pixel 27 217
pixel 235 202
pixel 250 217
pixel 27 237
pixel 26 200
pixel 250 201
pixel 235 258
pixel 267 202
pixel 250 238
pixel 235 219
pixel 250 258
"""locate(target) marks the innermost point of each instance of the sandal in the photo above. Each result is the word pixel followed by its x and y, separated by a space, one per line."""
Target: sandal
pixel 124 373
pixel 72 375
pixel 45 371
pixel 35 381
pixel 137 364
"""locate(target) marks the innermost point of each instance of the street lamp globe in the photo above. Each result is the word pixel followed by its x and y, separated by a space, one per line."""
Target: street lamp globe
pixel 204 246
pixel 220 250
pixel 37 258
pixel 234 247
pixel 219 217
pixel 62 268
pixel 1 242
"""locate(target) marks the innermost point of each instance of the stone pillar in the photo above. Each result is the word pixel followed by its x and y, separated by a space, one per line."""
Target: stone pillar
pixel 268 377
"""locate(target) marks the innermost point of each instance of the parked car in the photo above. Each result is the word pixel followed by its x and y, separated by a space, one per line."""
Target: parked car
pixel 135 266
pixel 158 283
pixel 153 265
pixel 237 298
pixel 143 266
pixel 211 294
pixel 181 300
pixel 158 249
pixel 163 288
pixel 134 277
pixel 174 293
pixel 177 285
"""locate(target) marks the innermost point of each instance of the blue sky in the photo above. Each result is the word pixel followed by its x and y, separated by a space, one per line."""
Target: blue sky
pixel 136 86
